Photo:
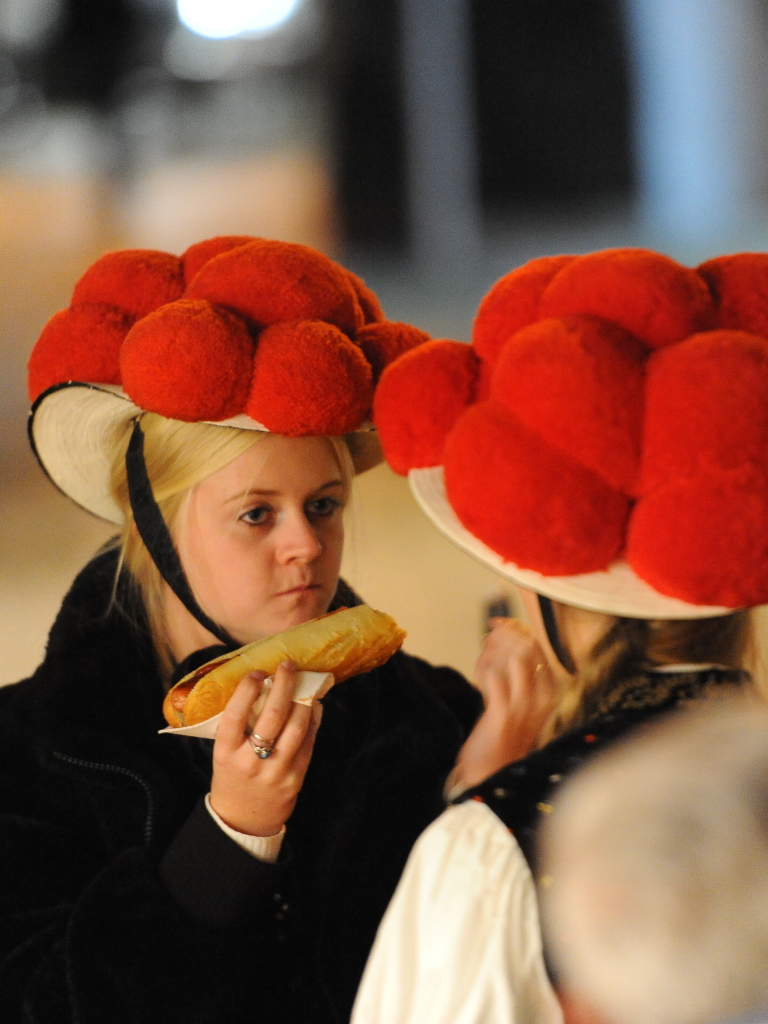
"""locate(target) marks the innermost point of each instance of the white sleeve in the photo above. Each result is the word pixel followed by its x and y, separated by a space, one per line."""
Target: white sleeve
pixel 460 942
pixel 265 848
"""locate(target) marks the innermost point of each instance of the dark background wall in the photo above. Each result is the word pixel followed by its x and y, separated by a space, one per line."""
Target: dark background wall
pixel 551 99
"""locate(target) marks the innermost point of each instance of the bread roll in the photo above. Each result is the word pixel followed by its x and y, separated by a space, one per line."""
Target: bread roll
pixel 344 642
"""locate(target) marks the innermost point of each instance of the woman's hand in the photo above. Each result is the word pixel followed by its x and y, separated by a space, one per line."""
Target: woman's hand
pixel 254 795
pixel 519 692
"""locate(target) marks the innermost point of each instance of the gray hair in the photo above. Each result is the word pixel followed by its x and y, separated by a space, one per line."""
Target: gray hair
pixel 655 864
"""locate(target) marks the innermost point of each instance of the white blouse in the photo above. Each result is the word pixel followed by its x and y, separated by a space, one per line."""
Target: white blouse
pixel 460 942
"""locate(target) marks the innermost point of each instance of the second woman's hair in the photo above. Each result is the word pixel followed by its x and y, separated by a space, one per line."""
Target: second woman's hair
pixel 631 646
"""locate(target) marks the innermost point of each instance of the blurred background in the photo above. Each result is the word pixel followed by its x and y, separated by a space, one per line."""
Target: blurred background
pixel 431 145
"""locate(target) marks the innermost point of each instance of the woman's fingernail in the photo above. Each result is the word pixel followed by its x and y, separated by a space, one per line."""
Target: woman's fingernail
pixel 290 665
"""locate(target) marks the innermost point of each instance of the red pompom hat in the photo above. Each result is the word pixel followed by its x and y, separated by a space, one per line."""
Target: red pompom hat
pixel 237 331
pixel 604 440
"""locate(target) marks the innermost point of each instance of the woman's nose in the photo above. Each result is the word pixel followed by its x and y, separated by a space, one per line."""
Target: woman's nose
pixel 297 540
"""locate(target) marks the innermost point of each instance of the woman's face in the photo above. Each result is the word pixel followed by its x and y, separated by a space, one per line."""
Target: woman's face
pixel 262 538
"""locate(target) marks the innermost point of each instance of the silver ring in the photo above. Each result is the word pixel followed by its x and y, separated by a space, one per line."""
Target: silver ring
pixel 262 748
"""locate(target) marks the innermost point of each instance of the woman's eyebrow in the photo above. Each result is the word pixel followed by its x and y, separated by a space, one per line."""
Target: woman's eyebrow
pixel 264 493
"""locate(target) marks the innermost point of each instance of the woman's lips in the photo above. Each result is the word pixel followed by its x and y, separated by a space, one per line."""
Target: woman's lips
pixel 304 588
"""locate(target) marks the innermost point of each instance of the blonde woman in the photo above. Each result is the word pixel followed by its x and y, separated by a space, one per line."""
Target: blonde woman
pixel 214 408
pixel 603 446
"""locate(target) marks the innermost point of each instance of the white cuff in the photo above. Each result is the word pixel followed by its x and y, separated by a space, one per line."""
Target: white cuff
pixel 265 848
pixel 452 789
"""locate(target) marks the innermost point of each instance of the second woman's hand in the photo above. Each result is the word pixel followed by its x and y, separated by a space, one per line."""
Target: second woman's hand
pixel 256 795
pixel 519 692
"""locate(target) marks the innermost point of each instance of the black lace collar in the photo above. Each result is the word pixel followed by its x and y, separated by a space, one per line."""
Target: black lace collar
pixel 657 689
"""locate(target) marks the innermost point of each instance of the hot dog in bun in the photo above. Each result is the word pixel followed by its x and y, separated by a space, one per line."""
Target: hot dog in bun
pixel 345 643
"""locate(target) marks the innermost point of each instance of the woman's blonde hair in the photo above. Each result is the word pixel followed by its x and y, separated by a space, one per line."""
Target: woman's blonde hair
pixel 631 646
pixel 177 457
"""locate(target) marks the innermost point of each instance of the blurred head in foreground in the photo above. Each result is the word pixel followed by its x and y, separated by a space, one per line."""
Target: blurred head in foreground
pixel 656 859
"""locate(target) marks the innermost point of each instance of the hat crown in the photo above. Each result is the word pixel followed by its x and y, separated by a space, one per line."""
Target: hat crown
pixel 211 334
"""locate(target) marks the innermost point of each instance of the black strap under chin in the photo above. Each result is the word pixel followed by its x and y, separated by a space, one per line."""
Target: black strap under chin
pixel 562 653
pixel 157 539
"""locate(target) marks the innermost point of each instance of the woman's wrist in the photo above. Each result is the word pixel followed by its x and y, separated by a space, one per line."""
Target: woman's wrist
pixel 266 848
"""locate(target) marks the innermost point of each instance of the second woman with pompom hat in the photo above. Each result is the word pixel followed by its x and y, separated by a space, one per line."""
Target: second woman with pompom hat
pixel 214 407
pixel 602 444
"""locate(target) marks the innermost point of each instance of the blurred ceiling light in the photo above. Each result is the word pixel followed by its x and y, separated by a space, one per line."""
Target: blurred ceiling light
pixel 223 19
pixel 187 55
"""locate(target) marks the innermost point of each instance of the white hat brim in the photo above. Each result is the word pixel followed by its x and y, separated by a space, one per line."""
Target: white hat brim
pixel 75 426
pixel 614 591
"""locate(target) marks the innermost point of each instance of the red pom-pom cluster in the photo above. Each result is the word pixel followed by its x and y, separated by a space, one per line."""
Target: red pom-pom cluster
pixel 611 405
pixel 503 477
pixel 170 351
pixel 134 280
pixel 235 325
pixel 418 400
pixel 79 343
pixel 513 303
pixel 383 342
pixel 269 282
pixel 309 378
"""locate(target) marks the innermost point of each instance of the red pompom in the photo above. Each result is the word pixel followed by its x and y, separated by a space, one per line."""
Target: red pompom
pixel 80 343
pixel 369 301
pixel 136 280
pixel 419 398
pixel 382 343
pixel 309 378
pixel 513 303
pixel 272 282
pixel 197 255
pixel 739 286
pixel 649 295
pixel 579 382
pixel 484 379
pixel 706 405
pixel 526 500
pixel 704 539
pixel 189 361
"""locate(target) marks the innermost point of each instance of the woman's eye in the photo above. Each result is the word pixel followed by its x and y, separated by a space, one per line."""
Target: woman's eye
pixel 256 516
pixel 322 507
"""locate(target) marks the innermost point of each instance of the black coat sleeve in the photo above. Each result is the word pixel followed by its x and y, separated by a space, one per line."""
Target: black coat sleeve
pixel 92 934
pixel 216 881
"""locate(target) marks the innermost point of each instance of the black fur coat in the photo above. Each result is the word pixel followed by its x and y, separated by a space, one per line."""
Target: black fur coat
pixel 121 899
